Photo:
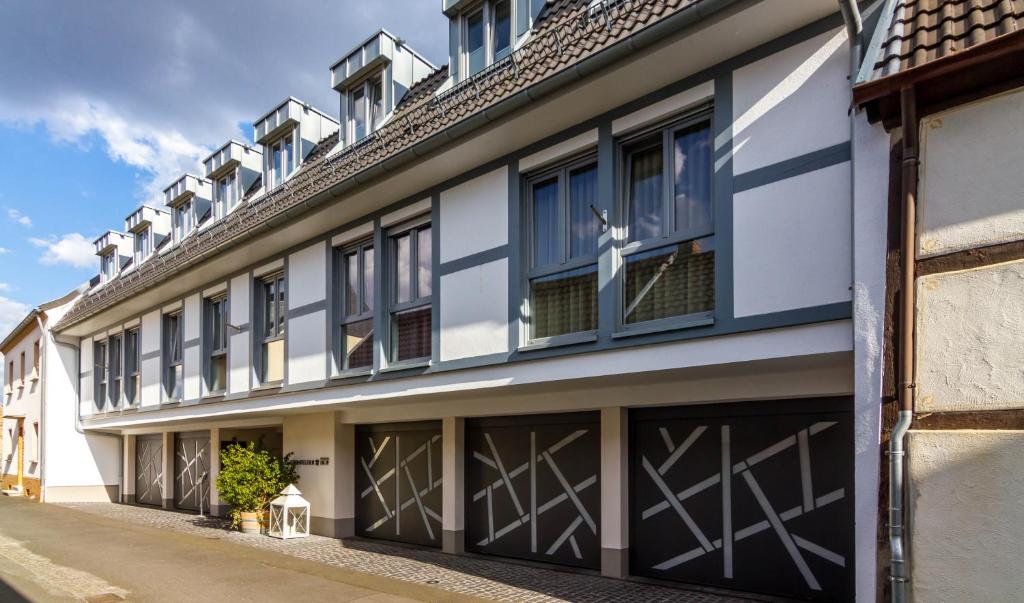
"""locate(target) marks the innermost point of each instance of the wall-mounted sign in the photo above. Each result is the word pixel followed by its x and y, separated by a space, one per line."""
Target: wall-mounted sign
pixel 320 461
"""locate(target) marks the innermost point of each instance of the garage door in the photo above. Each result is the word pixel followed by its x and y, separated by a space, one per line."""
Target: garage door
pixel 149 476
pixel 398 481
pixel 756 496
pixel 191 470
pixel 532 488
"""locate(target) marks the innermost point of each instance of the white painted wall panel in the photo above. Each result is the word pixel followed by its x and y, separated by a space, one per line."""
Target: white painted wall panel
pixel 239 350
pixel 966 520
pixel 981 139
pixel 149 335
pixel 474 216
pixel 307 348
pixel 474 311
pixel 192 356
pixel 193 319
pixel 791 246
pixel 307 275
pixel 791 103
pixel 970 329
pixel 193 373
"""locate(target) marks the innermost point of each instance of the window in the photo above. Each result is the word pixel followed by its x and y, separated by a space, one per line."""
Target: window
pixel 281 160
pixel 132 362
pixel 669 259
pixel 272 295
pixel 143 245
pixel 22 370
pixel 108 266
pixel 487 35
pixel 35 442
pixel 356 307
pixel 366 108
pixel 114 369
pixel 411 284
pixel 10 374
pixel 35 360
pixel 217 344
pixel 184 221
pixel 225 195
pixel 563 234
pixel 173 369
pixel 99 352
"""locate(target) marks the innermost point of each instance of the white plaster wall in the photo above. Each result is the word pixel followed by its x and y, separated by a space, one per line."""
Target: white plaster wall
pixel 966 517
pixel 239 351
pixel 149 334
pixel 870 222
pixel 970 332
pixel 474 311
pixel 791 103
pixel 307 348
pixel 311 436
pixel 307 275
pixel 192 357
pixel 24 401
pixel 981 139
pixel 474 216
pixel 791 243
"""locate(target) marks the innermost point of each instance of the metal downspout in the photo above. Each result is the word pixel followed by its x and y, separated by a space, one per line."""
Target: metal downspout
pixel 854 28
pixel 78 416
pixel 897 532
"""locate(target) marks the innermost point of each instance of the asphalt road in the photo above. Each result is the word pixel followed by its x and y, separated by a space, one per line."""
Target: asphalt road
pixel 50 553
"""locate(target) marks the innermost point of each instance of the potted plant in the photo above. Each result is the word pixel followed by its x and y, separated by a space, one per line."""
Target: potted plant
pixel 250 477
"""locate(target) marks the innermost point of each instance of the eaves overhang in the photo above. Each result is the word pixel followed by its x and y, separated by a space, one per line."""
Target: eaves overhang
pixel 543 66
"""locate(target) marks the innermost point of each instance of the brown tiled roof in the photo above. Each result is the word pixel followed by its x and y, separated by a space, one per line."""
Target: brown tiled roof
pixel 922 31
pixel 569 32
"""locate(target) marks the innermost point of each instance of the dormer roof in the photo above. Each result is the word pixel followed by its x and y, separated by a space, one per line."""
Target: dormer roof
pixel 111 240
pixel 144 217
pixel 232 154
pixel 188 186
pixel 286 115
pixel 373 54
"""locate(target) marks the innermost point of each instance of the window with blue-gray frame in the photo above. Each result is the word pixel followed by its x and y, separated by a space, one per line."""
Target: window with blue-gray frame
pixel 668 256
pixel 132 362
pixel 272 308
pixel 563 230
pixel 411 287
pixel 216 340
pixel 174 375
pixel 355 306
pixel 99 358
pixel 114 370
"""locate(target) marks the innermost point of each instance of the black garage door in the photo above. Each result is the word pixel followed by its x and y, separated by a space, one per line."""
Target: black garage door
pixel 149 475
pixel 191 470
pixel 532 488
pixel 398 482
pixel 753 496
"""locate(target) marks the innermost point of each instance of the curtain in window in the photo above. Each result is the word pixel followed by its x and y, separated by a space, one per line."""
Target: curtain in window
pixel 584 225
pixel 670 281
pixel 564 303
pixel 645 194
pixel 692 166
pixel 357 337
pixel 411 334
pixel 545 223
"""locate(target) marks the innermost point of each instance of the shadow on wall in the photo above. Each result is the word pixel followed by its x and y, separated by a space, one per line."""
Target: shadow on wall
pixel 9 594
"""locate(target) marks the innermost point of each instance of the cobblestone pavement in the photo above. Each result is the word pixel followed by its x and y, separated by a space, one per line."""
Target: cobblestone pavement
pixel 469 575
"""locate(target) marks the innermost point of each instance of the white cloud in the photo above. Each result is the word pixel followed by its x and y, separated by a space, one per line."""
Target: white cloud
pixel 19 217
pixel 71 250
pixel 4 250
pixel 5 287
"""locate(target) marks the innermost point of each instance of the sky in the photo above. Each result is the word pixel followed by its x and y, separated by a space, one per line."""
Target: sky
pixel 104 104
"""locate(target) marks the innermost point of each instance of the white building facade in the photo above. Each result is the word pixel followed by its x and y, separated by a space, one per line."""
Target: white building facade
pixel 592 284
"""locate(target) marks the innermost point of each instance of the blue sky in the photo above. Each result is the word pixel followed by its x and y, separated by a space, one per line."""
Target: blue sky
pixel 105 104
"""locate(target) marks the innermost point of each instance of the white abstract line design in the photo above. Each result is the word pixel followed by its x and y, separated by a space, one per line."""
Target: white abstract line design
pixel 492 460
pixel 392 513
pixel 774 521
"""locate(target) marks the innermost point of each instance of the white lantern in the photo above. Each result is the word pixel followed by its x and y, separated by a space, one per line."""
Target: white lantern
pixel 289 515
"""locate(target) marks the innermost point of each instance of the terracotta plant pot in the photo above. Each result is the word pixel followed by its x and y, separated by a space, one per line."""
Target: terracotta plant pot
pixel 250 523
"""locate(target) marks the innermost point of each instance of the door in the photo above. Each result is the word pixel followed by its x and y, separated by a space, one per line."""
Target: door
pixel 756 496
pixel 398 482
pixel 532 488
pixel 149 476
pixel 191 467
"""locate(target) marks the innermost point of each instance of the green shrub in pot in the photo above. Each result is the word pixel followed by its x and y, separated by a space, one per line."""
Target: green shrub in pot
pixel 250 477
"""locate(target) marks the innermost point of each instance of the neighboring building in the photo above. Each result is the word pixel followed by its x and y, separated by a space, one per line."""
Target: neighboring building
pixel 945 78
pixel 591 284
pixel 43 452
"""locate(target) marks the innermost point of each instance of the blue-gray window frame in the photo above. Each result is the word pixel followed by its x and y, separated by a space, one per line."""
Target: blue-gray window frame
pixel 132 366
pixel 115 366
pixel 392 234
pixel 210 305
pixel 531 271
pixel 100 377
pixel 625 146
pixel 169 359
pixel 281 316
pixel 360 247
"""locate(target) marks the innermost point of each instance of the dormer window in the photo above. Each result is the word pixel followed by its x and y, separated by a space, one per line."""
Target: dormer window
pixel 108 266
pixel 366 107
pixel 184 221
pixel 225 194
pixel 483 33
pixel 280 160
pixel 143 245
pixel 114 249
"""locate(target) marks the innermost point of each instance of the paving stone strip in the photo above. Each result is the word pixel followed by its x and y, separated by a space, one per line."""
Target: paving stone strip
pixel 468 575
